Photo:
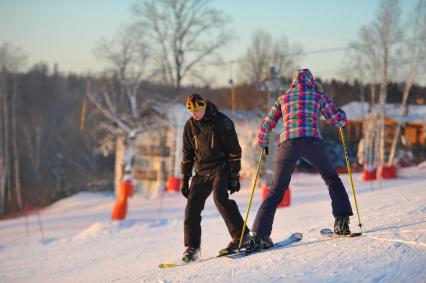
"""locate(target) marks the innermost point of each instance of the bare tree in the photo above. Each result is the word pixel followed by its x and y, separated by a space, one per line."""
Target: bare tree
pixel 360 64
pixel 387 31
pixel 11 60
pixel 128 57
pixel 361 61
pixel 286 55
pixel 122 126
pixel 415 52
pixel 257 61
pixel 184 34
pixel 264 52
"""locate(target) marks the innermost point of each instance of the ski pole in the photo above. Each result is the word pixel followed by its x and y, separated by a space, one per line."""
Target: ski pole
pixel 251 197
pixel 350 176
pixel 26 218
pixel 40 225
pixel 160 210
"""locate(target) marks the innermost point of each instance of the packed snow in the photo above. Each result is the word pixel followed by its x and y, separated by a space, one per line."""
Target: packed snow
pixel 81 244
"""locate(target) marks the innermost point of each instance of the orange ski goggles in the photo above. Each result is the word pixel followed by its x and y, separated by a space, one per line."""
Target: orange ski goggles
pixel 195 102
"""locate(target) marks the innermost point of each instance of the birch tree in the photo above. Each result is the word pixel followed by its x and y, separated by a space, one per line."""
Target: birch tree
pixel 127 57
pixel 379 51
pixel 415 52
pixel 361 65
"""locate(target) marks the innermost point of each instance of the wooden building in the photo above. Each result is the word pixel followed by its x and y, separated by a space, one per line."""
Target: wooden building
pixel 412 132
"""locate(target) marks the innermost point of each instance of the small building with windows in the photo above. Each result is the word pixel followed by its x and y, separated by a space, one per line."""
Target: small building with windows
pixel 157 152
pixel 413 129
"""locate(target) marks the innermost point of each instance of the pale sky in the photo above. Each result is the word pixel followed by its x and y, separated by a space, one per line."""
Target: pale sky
pixel 66 32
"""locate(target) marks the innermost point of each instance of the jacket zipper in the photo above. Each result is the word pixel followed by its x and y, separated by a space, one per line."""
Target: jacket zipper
pixel 196 144
pixel 212 139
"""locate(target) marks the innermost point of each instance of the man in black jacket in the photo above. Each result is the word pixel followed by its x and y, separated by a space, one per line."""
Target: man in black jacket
pixel 210 143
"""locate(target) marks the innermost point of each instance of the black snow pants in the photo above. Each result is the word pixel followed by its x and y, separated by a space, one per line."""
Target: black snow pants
pixel 201 186
pixel 288 153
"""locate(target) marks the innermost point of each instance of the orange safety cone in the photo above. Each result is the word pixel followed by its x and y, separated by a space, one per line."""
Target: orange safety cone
pixel 285 202
pixel 387 172
pixel 120 207
pixel 368 175
pixel 173 184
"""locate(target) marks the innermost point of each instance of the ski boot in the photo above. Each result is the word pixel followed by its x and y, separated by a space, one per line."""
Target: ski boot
pixel 233 245
pixel 341 225
pixel 190 254
pixel 258 242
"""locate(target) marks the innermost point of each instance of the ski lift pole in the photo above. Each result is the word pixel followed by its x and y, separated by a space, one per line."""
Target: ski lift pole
pixel 251 197
pixel 350 176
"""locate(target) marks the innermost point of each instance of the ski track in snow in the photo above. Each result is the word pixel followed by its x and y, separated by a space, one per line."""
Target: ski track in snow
pixel 414 243
pixel 81 244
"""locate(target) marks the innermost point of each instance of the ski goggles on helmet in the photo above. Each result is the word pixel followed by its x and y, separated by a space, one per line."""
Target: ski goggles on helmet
pixel 195 102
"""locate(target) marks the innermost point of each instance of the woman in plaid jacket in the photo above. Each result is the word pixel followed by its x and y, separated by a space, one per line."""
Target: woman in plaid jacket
pixel 299 108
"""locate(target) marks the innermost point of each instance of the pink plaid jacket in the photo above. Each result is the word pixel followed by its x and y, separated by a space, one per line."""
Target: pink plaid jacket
pixel 299 108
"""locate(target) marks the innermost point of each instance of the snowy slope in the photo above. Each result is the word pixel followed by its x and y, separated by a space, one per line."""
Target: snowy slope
pixel 81 244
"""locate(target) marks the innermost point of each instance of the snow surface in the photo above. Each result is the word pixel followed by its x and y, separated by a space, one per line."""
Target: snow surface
pixel 81 244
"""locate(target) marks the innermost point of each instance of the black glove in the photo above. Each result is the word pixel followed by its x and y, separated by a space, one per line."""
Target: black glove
pixel 341 124
pixel 266 149
pixel 184 186
pixel 234 182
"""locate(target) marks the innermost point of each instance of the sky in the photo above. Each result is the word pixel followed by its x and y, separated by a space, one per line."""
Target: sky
pixel 67 32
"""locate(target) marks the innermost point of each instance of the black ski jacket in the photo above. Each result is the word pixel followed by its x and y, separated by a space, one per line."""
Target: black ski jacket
pixel 210 143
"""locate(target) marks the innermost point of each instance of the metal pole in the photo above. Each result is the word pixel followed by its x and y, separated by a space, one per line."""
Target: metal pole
pixel 251 197
pixel 350 176
pixel 40 225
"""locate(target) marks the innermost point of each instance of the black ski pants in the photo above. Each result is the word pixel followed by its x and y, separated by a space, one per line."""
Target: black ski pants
pixel 201 187
pixel 288 152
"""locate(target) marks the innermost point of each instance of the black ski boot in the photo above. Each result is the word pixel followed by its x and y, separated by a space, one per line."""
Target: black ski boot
pixel 190 254
pixel 259 242
pixel 233 245
pixel 341 225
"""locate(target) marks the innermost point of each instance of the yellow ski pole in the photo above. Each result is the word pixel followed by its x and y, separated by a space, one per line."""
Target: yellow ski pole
pixel 350 176
pixel 251 197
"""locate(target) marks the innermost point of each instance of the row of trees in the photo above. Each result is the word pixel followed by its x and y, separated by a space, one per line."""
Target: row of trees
pixel 44 156
pixel 10 188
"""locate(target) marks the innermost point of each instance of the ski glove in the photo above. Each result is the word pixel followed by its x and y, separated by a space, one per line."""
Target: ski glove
pixel 342 122
pixel 263 146
pixel 266 150
pixel 184 186
pixel 234 182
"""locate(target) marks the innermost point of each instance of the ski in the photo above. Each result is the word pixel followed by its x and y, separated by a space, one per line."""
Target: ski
pixel 294 238
pixel 329 233
pixel 171 265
